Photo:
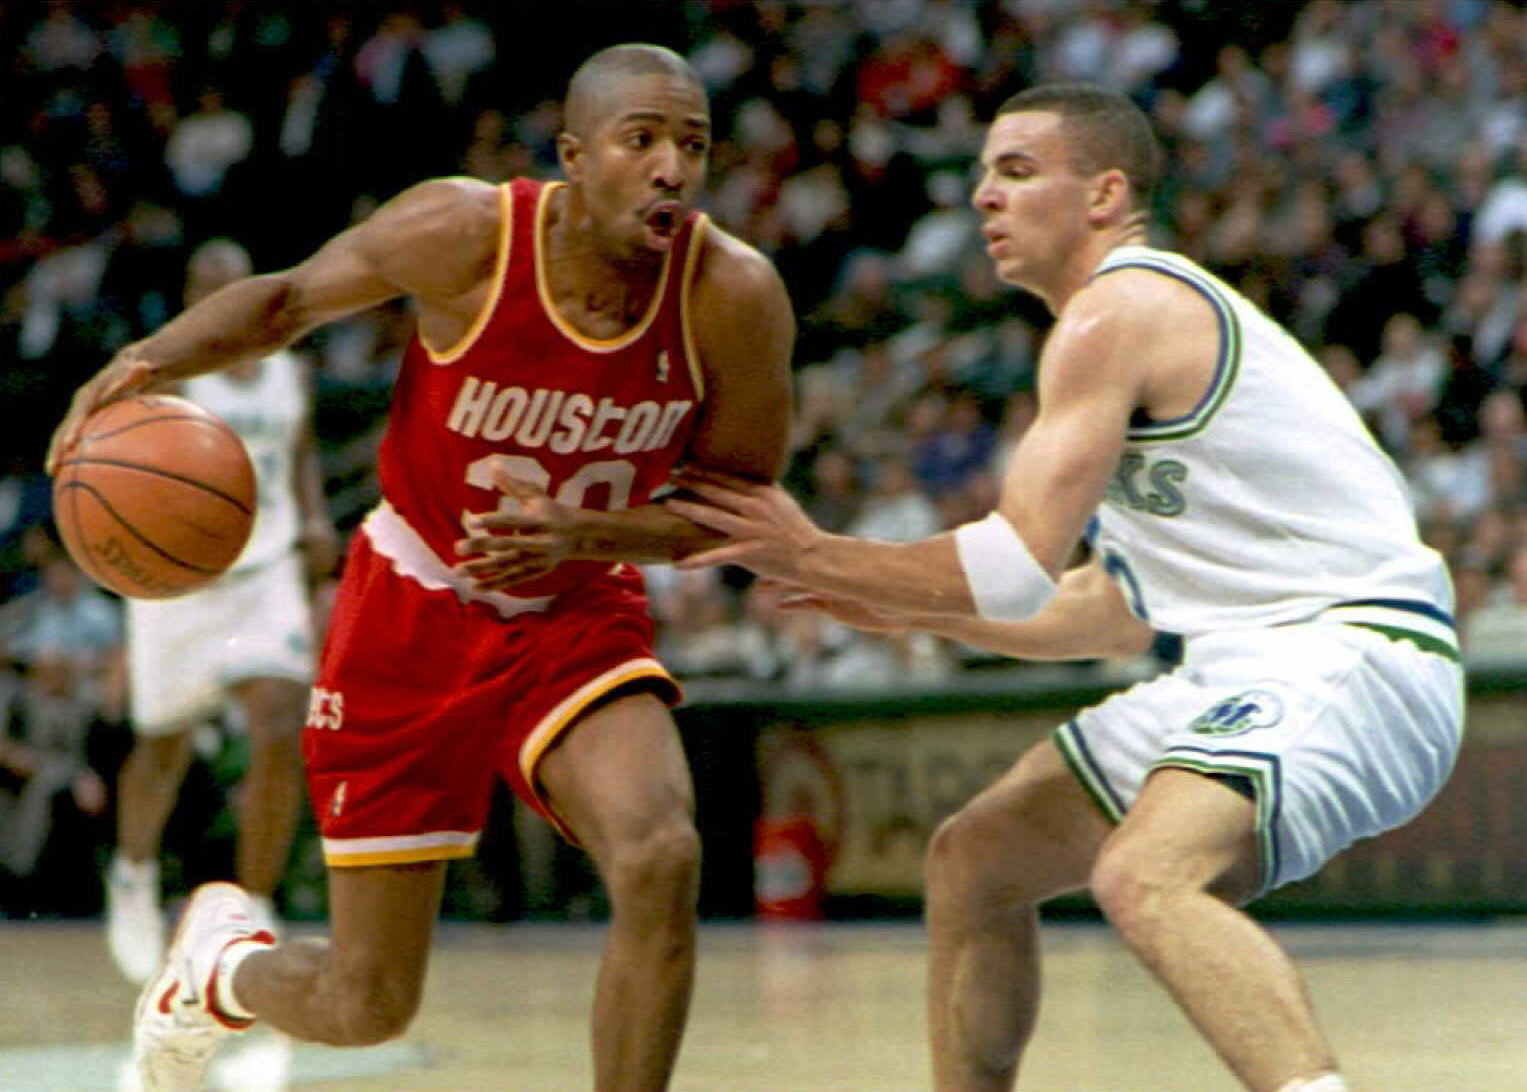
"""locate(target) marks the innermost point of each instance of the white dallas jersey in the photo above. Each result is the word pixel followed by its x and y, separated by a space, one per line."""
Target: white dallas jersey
pixel 1270 502
pixel 266 410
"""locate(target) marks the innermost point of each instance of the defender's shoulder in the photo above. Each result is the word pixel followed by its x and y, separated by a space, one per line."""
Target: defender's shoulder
pixel 1138 299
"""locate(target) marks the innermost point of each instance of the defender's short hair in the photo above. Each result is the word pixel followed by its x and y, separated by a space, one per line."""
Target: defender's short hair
pixel 1105 129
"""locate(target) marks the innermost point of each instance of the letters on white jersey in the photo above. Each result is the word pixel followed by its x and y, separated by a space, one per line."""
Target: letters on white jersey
pixel 1269 502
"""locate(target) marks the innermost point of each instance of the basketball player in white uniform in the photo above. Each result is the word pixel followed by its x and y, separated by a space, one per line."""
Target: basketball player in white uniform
pixel 1229 494
pixel 246 638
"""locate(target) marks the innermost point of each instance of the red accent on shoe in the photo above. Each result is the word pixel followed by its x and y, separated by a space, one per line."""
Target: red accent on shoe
pixel 167 996
pixel 233 1023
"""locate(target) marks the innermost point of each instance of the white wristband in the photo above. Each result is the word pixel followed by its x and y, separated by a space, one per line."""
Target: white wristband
pixel 1006 582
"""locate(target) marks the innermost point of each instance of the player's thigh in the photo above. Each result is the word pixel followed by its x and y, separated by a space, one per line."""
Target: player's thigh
pixel 620 774
pixel 1187 830
pixel 381 920
pixel 1035 831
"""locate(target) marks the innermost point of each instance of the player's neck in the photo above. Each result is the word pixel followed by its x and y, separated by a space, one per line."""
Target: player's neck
pixel 585 283
pixel 1080 269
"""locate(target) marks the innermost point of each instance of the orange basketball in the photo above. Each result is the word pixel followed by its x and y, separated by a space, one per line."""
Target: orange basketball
pixel 157 499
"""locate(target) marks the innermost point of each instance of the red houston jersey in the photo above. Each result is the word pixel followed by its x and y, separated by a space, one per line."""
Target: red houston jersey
pixel 596 423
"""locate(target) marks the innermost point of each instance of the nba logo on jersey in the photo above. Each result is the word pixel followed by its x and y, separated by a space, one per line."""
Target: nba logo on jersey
pixel 662 366
pixel 1241 713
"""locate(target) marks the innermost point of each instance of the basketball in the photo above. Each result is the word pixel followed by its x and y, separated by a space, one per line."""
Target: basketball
pixel 157 499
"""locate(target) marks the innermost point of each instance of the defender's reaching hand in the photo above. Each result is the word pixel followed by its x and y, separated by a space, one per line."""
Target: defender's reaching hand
pixel 769 532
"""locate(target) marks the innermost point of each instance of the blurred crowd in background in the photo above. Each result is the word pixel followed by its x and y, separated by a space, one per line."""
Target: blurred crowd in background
pixel 1359 169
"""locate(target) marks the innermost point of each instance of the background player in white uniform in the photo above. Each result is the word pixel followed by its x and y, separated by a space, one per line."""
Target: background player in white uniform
pixel 1230 495
pixel 248 637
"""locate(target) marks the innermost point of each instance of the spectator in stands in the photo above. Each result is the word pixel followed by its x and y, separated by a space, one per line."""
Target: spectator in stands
pixel 1496 634
pixel 1403 385
pixel 895 509
pixel 957 449
pixel 47 786
pixel 203 147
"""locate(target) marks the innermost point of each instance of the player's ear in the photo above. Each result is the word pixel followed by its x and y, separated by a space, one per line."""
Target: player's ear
pixel 1110 196
pixel 569 154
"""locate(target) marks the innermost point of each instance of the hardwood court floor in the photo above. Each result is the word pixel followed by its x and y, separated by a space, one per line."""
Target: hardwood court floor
pixel 1431 1008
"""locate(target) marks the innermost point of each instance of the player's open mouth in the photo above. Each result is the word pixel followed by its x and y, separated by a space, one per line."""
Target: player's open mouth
pixel 663 221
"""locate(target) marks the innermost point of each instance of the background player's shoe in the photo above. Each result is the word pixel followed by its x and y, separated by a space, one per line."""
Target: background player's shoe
pixel 134 920
pixel 178 1028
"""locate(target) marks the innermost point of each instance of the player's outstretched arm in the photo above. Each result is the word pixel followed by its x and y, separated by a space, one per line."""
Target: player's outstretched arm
pixel 744 330
pixel 424 243
pixel 1092 375
pixel 1088 619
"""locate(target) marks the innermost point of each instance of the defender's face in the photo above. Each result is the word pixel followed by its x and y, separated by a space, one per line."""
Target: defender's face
pixel 1033 203
pixel 643 164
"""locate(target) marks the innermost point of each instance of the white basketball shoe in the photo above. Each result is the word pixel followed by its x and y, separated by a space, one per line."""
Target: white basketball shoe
pixel 134 920
pixel 178 1026
pixel 263 910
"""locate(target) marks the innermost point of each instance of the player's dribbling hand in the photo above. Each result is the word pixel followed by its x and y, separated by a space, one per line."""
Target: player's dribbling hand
pixel 127 374
pixel 517 543
pixel 767 529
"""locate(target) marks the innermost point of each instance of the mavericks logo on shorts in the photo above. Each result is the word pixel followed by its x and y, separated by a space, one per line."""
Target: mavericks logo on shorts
pixel 1241 713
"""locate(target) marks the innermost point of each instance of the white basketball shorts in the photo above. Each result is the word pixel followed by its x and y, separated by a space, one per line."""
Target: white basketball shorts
pixel 184 654
pixel 1341 732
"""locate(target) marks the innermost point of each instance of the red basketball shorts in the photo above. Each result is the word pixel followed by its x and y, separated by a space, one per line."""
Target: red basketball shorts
pixel 423 699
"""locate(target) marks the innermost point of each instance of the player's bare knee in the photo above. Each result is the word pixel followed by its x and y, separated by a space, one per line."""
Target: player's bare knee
pixel 652 869
pixel 1134 887
pixel 972 870
pixel 373 1008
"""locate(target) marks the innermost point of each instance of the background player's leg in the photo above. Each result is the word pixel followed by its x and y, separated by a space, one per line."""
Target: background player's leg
pixel 364 985
pixel 621 782
pixel 1031 836
pixel 147 789
pixel 1168 880
pixel 272 791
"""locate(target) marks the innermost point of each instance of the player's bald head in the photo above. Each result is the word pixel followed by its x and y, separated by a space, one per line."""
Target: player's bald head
pixel 221 257
pixel 213 265
pixel 595 90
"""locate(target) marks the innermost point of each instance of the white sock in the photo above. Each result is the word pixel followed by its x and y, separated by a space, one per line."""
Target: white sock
pixel 135 872
pixel 226 999
pixel 1328 1082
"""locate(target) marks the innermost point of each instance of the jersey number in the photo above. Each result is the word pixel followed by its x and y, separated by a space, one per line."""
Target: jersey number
pixel 616 475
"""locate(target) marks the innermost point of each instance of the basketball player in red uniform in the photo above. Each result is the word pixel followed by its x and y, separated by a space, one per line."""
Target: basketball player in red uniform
pixel 576 343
